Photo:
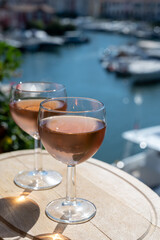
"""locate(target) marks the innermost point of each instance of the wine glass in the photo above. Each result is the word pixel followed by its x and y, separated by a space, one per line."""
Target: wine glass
pixel 24 106
pixel 71 136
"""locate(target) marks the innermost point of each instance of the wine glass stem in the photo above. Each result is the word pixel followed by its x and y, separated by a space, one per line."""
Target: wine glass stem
pixel 71 184
pixel 37 155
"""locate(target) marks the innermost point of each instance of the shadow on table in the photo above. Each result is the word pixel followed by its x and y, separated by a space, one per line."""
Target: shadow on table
pixel 17 215
pixel 56 235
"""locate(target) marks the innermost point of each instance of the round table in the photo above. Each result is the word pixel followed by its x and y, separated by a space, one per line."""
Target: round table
pixel 126 208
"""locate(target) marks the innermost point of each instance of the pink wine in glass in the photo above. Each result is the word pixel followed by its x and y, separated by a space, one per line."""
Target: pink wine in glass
pixel 25 113
pixel 71 139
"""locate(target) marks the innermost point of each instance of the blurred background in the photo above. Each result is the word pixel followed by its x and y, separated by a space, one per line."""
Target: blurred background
pixel 103 49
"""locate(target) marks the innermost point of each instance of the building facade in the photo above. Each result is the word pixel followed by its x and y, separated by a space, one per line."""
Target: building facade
pixel 16 15
pixel 25 10
pixel 80 7
pixel 136 9
pixel 117 9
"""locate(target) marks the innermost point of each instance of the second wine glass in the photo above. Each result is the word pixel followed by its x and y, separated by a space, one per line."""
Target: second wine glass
pixel 72 136
pixel 24 107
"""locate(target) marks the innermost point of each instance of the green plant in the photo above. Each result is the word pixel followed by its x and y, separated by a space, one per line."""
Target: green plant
pixel 10 60
pixel 39 24
pixel 11 136
pixel 54 28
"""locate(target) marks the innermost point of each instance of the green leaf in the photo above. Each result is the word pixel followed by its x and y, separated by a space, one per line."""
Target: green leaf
pixel 10 60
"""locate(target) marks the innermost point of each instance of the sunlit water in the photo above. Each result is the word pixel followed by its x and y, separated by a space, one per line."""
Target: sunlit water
pixel 79 69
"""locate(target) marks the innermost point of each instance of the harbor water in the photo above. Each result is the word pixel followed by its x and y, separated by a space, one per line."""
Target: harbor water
pixel 79 69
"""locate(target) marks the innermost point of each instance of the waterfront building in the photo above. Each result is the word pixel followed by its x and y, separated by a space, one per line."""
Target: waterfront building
pixel 78 7
pixel 95 8
pixel 15 14
pixel 115 9
pixel 58 5
pixel 135 9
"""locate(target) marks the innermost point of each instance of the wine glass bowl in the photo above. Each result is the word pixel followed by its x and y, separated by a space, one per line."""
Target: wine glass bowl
pixel 24 107
pixel 72 136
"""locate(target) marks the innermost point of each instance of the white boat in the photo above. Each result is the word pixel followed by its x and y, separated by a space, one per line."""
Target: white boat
pixel 141 62
pixel 119 59
pixel 31 40
pixel 143 70
pixel 148 44
pixel 75 37
pixel 140 70
pixel 47 40
pixel 144 165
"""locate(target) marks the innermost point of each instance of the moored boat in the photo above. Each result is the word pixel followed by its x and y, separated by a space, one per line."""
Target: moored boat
pixel 75 37
pixel 144 165
pixel 143 70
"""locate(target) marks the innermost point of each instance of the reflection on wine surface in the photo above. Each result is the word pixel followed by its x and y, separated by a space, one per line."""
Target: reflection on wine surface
pixel 72 139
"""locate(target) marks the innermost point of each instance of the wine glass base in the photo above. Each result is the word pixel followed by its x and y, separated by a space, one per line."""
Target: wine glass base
pixel 74 212
pixel 37 180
